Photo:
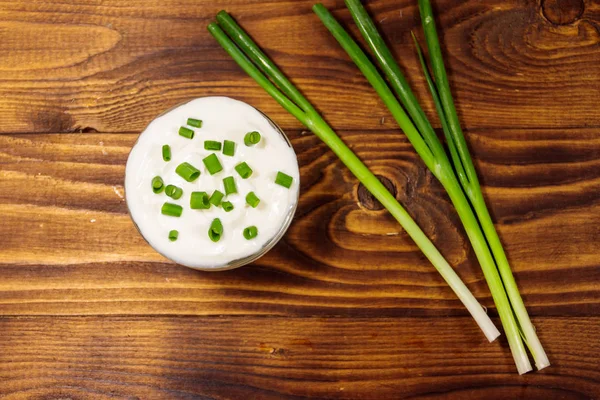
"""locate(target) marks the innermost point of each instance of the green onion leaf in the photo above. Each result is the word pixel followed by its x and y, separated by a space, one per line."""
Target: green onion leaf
pixel 187 171
pixel 250 232
pixel 229 148
pixel 284 179
pixel 186 132
pixel 216 230
pixel 212 145
pixel 470 184
pixel 244 170
pixel 238 44
pixel 429 147
pixel 199 201
pixel 227 206
pixel 256 64
pixel 252 200
pixel 172 210
pixel 196 123
pixel 229 185
pixel 174 192
pixel 212 164
pixel 166 152
pixel 157 185
pixel 251 138
pixel 173 235
pixel 215 198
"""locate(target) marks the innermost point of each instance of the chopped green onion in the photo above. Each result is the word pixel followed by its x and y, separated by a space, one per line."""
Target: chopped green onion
pixel 229 185
pixel 250 232
pixel 229 148
pixel 166 152
pixel 227 206
pixel 196 123
pixel 216 230
pixel 173 235
pixel 251 138
pixel 186 132
pixel 174 192
pixel 252 200
pixel 212 145
pixel 172 210
pixel 244 170
pixel 212 164
pixel 157 185
pixel 199 201
pixel 236 42
pixel 215 198
pixel 187 171
pixel 284 179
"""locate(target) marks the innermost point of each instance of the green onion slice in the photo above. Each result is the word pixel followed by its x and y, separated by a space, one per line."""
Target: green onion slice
pixel 166 152
pixel 227 206
pixel 229 148
pixel 157 185
pixel 186 132
pixel 252 200
pixel 199 201
pixel 251 138
pixel 196 123
pixel 216 230
pixel 173 235
pixel 229 185
pixel 250 232
pixel 215 198
pixel 174 192
pixel 172 210
pixel 212 145
pixel 212 164
pixel 244 170
pixel 284 179
pixel 187 171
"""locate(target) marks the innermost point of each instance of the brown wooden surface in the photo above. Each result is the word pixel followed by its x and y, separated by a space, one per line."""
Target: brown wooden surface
pixel 345 306
pixel 280 357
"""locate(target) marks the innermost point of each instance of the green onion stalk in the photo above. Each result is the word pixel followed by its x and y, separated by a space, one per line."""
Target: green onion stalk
pixel 255 63
pixel 459 178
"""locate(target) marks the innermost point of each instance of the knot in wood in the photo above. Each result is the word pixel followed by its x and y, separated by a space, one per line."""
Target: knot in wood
pixel 367 200
pixel 562 12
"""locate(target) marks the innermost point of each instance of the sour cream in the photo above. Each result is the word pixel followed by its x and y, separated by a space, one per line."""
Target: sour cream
pixel 222 119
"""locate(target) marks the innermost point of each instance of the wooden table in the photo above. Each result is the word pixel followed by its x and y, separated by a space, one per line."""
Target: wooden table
pixel 345 306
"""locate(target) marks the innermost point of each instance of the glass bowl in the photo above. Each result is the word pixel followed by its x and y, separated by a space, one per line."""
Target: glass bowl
pixel 269 244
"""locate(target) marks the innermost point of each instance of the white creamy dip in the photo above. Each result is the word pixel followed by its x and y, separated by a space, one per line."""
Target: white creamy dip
pixel 222 119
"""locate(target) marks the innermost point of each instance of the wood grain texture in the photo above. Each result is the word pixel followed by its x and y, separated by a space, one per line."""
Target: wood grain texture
pixel 65 221
pixel 113 65
pixel 285 358
pixel 345 306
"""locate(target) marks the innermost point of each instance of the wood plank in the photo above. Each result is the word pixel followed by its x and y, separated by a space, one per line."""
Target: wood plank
pixel 286 358
pixel 113 66
pixel 69 247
